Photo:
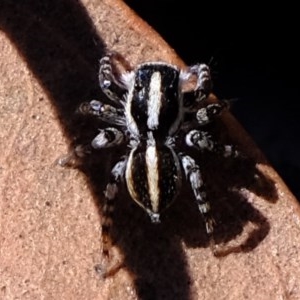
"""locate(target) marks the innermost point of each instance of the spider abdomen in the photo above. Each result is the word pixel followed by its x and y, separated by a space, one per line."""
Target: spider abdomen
pixel 153 177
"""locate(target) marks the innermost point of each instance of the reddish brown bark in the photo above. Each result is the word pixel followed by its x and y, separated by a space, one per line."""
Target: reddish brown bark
pixel 49 235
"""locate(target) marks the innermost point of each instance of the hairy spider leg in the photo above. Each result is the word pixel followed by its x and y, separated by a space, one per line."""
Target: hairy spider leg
pixel 110 194
pixel 209 113
pixel 204 82
pixel 108 137
pixel 203 141
pixel 193 175
pixel 104 112
pixel 71 158
pixel 109 84
pixel 203 86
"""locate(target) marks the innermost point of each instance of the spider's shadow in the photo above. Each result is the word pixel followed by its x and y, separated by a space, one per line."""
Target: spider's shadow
pixel 229 182
pixel 155 249
pixel 58 41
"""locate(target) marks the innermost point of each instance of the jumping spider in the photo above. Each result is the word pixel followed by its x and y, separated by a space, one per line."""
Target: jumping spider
pixel 152 113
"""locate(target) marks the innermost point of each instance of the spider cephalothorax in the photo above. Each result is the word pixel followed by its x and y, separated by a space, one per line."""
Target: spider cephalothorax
pixel 152 113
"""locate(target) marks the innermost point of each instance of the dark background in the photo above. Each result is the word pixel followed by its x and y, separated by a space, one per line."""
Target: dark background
pixel 254 57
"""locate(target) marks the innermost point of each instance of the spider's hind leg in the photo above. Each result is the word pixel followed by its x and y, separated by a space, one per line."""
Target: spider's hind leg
pixel 73 159
pixel 193 175
pixel 111 264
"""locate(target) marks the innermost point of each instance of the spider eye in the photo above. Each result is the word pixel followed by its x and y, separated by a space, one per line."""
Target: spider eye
pixel 142 76
pixel 138 86
pixel 140 80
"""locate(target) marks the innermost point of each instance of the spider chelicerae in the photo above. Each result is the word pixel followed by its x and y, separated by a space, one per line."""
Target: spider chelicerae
pixel 153 111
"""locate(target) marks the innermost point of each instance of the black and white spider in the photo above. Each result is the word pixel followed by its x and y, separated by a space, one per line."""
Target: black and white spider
pixel 154 116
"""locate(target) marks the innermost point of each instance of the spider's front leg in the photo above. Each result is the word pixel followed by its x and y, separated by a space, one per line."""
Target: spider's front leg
pixel 193 175
pixel 204 82
pixel 110 85
pixel 203 86
pixel 192 99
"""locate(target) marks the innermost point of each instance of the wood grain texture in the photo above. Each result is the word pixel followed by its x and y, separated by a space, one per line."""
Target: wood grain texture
pixel 50 217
